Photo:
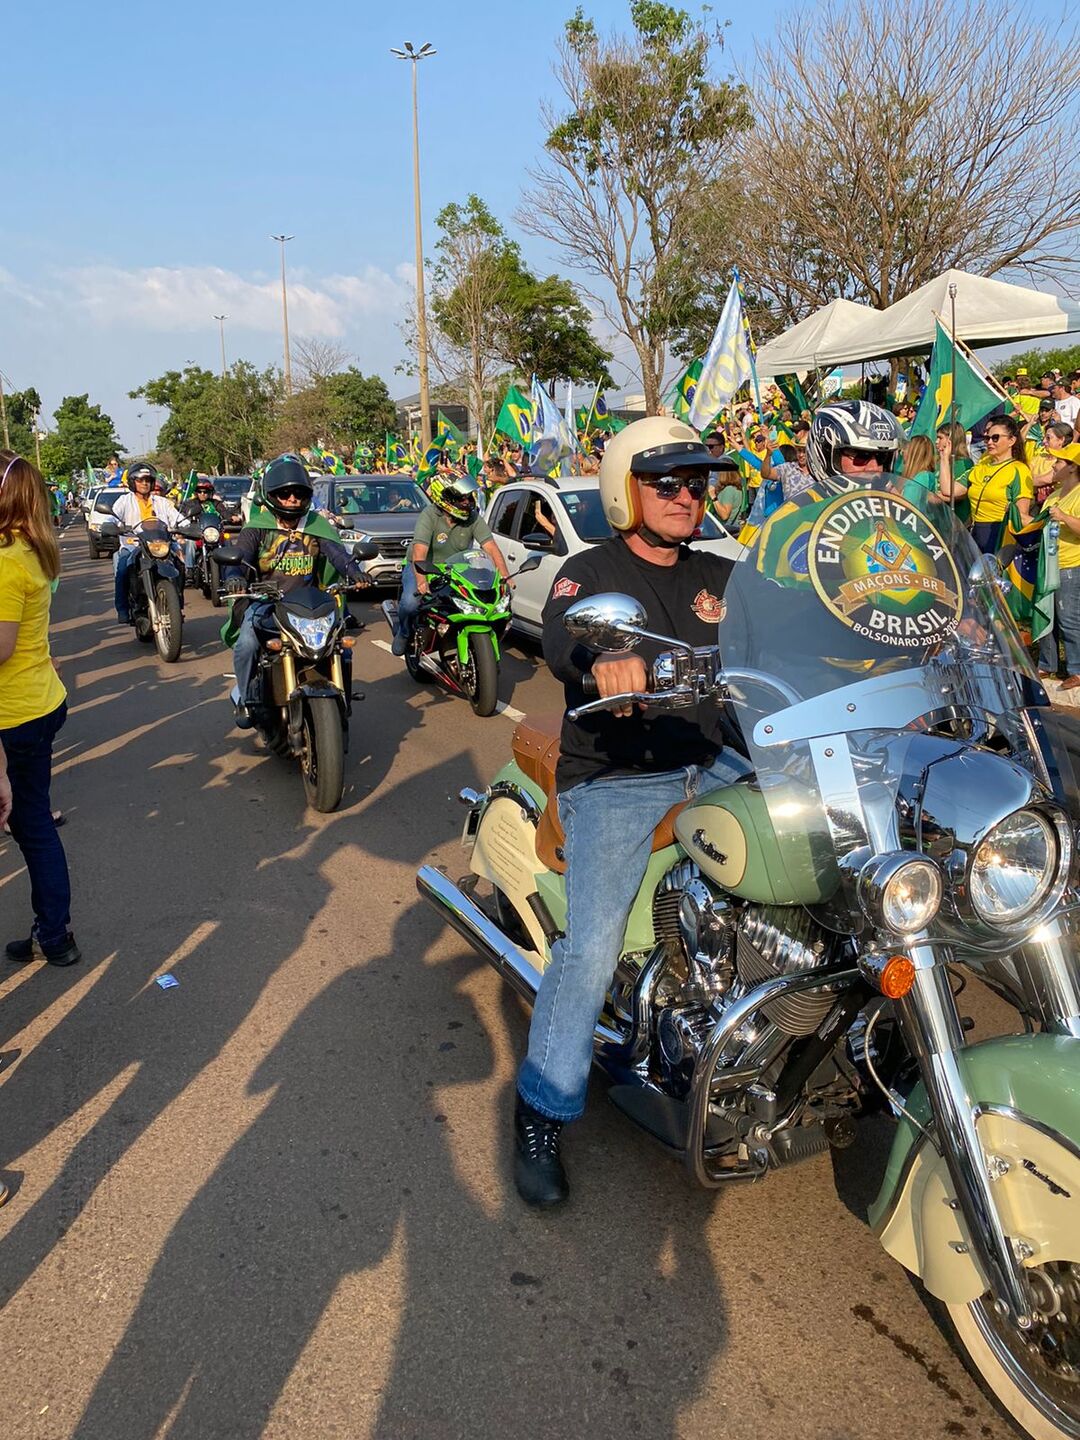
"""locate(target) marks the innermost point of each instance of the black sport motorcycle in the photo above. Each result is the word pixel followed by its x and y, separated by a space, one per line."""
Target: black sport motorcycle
pixel 304 675
pixel 155 584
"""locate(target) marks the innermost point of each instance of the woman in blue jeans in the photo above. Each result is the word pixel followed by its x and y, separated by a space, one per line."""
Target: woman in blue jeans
pixel 33 705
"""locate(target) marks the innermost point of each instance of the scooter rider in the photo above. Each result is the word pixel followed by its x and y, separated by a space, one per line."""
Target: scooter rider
pixel 286 554
pixel 135 507
pixel 619 771
pixel 445 529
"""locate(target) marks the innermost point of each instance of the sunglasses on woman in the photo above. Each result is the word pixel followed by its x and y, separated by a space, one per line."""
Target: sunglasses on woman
pixel 669 486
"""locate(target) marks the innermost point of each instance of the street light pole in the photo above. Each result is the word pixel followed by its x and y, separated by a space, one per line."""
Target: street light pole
pixel 285 311
pixel 221 325
pixel 421 313
pixel 3 415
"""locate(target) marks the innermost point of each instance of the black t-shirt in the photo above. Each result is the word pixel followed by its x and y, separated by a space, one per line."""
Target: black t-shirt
pixel 684 601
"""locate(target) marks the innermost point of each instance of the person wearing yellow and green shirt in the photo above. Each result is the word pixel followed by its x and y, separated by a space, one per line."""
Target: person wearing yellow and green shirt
pixel 33 704
pixel 1002 477
pixel 1063 506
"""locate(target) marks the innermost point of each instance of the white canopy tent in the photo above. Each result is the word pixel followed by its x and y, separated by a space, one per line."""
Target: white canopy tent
pixel 988 312
pixel 813 342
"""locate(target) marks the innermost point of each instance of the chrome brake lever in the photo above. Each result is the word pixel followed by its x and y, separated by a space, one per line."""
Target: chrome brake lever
pixel 682 695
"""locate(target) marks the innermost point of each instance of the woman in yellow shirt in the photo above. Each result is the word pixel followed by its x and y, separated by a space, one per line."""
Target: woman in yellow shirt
pixel 1064 507
pixel 33 704
pixel 1001 474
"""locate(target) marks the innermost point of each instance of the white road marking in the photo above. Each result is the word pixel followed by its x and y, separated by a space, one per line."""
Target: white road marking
pixel 383 645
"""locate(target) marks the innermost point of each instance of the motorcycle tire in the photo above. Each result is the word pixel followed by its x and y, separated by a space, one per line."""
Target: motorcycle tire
pixel 415 669
pixel 170 635
pixel 1015 1377
pixel 480 679
pixel 95 553
pixel 144 629
pixel 214 595
pixel 322 759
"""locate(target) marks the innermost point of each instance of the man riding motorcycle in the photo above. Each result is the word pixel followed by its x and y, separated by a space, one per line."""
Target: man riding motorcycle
pixel 445 529
pixel 287 554
pixel 619 771
pixel 139 505
pixel 206 507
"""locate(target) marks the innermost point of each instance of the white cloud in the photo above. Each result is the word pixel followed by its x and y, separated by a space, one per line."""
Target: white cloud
pixel 9 285
pixel 183 298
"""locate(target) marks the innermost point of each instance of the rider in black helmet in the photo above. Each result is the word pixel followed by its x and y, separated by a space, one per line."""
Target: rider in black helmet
pixel 286 552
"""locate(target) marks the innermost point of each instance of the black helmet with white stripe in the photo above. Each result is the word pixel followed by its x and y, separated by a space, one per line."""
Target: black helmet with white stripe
pixel 852 425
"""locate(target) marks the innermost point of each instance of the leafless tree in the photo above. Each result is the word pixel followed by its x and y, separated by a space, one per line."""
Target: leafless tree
pixel 892 142
pixel 314 360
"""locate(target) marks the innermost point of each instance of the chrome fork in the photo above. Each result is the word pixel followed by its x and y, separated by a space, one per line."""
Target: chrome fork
pixel 932 1029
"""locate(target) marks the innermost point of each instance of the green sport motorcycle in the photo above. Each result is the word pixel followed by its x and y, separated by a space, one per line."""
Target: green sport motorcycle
pixel 458 631
pixel 794 956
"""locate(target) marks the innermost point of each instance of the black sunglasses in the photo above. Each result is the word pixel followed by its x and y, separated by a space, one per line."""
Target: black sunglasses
pixel 668 486
pixel 293 493
pixel 998 435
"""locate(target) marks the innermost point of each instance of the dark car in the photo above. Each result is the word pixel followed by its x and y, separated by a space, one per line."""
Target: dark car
pixel 382 509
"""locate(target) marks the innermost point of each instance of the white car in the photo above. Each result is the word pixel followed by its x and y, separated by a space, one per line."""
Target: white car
pixel 573 506
pixel 99 505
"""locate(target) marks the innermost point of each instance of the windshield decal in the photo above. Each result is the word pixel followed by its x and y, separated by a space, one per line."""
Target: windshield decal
pixel 883 570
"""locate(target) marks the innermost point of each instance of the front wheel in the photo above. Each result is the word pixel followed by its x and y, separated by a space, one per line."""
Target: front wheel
pixel 480 675
pixel 1035 1376
pixel 323 756
pixel 169 635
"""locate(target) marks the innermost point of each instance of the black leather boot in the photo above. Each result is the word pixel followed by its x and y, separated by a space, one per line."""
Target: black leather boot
pixel 538 1170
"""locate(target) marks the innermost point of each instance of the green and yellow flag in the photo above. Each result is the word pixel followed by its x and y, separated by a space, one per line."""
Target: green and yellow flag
pixel 974 397
pixel 682 396
pixel 515 417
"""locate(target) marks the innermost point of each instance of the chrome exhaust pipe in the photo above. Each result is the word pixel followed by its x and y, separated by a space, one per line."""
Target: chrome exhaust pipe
pixel 483 935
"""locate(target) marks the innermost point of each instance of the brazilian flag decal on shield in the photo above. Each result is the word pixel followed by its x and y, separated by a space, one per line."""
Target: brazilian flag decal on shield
pixel 882 569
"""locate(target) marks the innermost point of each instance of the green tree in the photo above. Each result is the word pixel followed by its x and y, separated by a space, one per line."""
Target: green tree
pixel 23 408
pixel 1038 362
pixel 84 431
pixel 221 423
pixel 361 410
pixel 544 330
pixel 645 130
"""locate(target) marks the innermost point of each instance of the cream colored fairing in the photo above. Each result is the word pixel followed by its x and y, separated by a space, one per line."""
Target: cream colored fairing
pixel 505 855
pixel 1038 1199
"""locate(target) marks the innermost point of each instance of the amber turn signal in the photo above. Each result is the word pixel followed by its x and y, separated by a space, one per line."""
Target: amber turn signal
pixel 897 977
pixel 348 641
pixel 274 645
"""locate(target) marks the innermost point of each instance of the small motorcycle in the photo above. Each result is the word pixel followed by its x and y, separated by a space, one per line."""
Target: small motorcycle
pixel 305 680
pixel 458 631
pixel 794 956
pixel 156 584
pixel 207 574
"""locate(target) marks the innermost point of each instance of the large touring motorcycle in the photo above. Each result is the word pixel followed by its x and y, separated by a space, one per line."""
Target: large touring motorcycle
pixel 792 959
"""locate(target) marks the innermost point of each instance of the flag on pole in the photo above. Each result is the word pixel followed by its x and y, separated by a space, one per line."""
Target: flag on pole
pixel 515 417
pixel 726 367
pixel 549 443
pixel 682 395
pixel 974 397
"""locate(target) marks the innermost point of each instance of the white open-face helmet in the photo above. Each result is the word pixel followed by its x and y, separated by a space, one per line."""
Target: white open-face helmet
pixel 655 446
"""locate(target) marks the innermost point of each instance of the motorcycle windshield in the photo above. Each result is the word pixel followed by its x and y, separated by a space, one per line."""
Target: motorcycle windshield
pixel 476 568
pixel 857 620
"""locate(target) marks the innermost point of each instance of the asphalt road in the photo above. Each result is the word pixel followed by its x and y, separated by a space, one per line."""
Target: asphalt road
pixel 276 1199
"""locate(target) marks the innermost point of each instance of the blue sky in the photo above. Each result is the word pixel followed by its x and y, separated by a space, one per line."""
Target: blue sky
pixel 149 154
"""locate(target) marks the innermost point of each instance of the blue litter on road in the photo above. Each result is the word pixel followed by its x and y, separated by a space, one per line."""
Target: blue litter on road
pixel 166 981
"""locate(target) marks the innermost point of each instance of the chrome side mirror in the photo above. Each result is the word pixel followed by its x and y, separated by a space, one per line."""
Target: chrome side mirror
pixel 609 622
pixel 988 570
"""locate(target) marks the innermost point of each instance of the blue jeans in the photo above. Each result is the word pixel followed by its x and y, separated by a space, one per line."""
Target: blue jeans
pixel 190 554
pixel 1066 624
pixel 29 762
pixel 609 824
pixel 122 562
pixel 258 621
pixel 409 603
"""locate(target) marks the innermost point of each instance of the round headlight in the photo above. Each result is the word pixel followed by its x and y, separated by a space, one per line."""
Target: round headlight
pixel 158 548
pixel 1014 868
pixel 901 891
pixel 911 898
pixel 211 533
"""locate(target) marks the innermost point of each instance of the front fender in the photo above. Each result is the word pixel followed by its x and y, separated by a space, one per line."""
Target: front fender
pixel 462 638
pixel 1025 1093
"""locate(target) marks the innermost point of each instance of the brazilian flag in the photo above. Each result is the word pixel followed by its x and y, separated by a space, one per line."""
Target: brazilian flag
pixel 682 397
pixel 783 543
pixel 515 417
pixel 973 400
pixel 1029 556
pixel 793 393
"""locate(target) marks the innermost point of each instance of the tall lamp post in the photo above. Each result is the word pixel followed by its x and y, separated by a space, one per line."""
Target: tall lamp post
pixel 221 325
pixel 282 239
pixel 421 314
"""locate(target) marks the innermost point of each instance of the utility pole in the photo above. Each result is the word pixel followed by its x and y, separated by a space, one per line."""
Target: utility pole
pixel 221 325
pixel 421 313
pixel 3 415
pixel 285 311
